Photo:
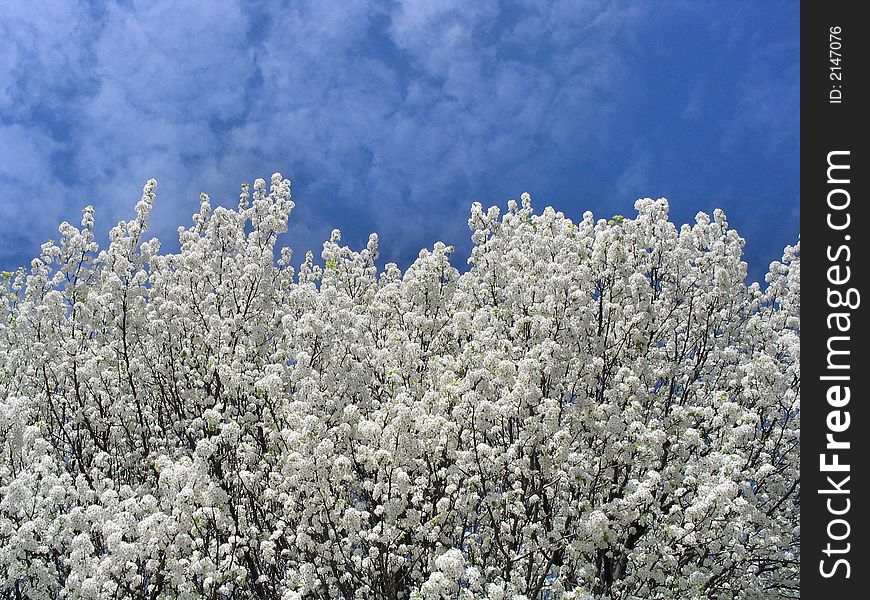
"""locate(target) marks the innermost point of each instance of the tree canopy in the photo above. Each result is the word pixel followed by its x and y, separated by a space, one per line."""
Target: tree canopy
pixel 593 409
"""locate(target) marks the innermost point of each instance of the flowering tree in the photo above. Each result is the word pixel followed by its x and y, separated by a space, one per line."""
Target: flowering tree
pixel 600 409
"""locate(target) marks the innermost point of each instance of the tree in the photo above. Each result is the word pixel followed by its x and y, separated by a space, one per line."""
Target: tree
pixel 601 409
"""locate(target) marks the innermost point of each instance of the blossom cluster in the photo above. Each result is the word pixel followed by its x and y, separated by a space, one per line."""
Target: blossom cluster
pixel 594 409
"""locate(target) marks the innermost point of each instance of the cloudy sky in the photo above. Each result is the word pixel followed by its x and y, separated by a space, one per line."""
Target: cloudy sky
pixel 394 116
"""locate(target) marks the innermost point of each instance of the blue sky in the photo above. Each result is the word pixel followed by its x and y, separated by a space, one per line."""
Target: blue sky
pixel 395 116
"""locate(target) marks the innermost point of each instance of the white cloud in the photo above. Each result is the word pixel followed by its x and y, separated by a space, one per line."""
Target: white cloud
pixel 33 198
pixel 392 109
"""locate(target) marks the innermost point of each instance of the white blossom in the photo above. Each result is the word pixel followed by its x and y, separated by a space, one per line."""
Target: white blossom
pixel 599 409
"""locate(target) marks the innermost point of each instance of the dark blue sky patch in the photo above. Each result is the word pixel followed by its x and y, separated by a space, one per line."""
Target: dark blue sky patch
pixel 396 118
